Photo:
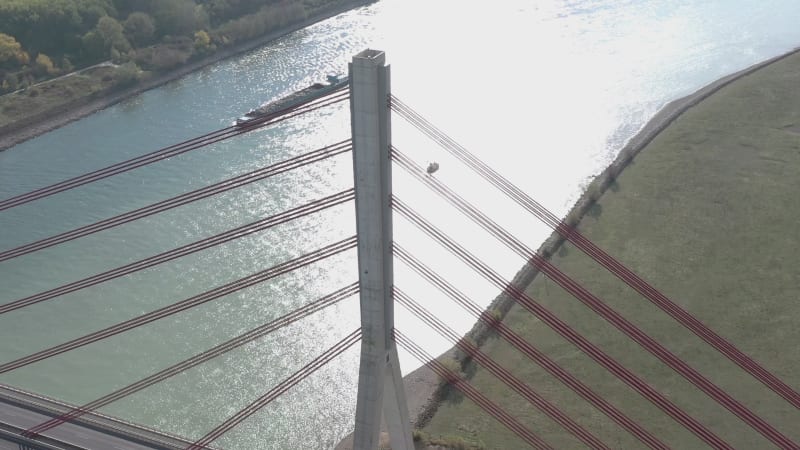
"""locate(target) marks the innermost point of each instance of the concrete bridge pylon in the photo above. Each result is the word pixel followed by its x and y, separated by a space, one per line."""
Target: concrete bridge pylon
pixel 380 384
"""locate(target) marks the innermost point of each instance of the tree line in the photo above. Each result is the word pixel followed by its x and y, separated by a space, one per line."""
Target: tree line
pixel 44 38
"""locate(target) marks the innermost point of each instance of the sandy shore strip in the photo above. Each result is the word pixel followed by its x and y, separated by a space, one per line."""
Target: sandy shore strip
pixel 67 113
pixel 421 385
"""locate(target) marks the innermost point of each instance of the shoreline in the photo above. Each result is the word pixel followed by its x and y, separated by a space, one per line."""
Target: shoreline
pixel 65 114
pixel 422 384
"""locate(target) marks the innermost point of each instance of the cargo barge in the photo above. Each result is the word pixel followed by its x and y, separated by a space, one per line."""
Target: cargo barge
pixel 294 99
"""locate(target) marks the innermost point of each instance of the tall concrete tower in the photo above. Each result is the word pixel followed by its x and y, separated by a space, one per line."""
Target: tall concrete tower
pixel 380 385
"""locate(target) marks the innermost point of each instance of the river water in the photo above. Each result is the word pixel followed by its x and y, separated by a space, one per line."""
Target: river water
pixel 546 91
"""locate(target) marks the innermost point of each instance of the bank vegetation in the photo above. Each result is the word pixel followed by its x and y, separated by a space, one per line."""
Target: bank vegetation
pixel 107 45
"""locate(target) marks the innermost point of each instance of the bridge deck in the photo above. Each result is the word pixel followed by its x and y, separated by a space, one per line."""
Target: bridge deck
pixel 20 410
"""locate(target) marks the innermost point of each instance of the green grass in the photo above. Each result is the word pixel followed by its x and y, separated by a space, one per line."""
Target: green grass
pixel 24 105
pixel 708 213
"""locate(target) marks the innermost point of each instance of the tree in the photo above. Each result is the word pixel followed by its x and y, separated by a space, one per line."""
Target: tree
pixel 223 10
pixel 116 56
pixel 10 82
pixel 47 25
pixel 94 46
pixel 202 41
pixel 111 31
pixel 140 28
pixel 127 74
pixel 66 64
pixel 218 10
pixel 166 58
pixel 179 17
pixel 44 65
pixel 11 53
pixel 130 6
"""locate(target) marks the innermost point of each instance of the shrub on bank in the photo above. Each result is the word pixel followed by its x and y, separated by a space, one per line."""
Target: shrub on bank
pixel 165 56
pixel 127 75
pixel 267 19
pixel 9 83
pixel 454 367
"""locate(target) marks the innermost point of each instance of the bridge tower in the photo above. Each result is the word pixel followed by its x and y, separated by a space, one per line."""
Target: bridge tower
pixel 380 385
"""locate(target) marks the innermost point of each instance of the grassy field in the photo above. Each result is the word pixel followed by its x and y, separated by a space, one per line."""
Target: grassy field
pixel 56 94
pixel 708 213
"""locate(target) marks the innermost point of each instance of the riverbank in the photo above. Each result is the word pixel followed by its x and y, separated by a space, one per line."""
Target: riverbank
pixel 454 420
pixel 72 111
